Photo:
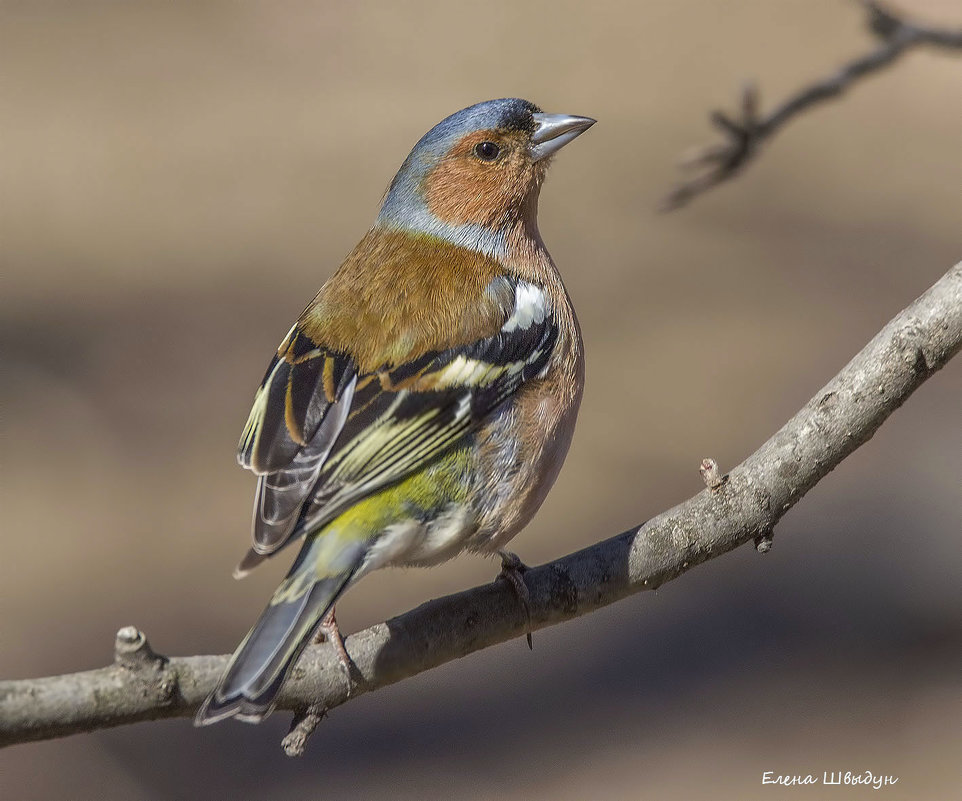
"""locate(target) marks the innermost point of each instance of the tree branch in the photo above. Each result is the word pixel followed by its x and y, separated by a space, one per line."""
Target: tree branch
pixel 721 161
pixel 742 506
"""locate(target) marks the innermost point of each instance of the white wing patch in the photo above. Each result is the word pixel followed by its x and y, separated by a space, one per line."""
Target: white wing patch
pixel 530 306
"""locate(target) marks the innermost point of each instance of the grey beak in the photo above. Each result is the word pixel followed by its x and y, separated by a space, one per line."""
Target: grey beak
pixel 554 131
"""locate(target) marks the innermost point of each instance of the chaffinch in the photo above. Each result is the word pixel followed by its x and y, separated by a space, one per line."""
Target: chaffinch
pixel 423 403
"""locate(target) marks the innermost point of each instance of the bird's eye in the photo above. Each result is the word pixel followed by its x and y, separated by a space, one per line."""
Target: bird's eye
pixel 487 151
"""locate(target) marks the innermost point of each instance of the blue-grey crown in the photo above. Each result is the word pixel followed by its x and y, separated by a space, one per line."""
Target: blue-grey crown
pixel 509 113
pixel 403 206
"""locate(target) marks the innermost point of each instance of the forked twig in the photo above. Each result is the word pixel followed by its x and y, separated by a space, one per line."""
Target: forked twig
pixel 746 131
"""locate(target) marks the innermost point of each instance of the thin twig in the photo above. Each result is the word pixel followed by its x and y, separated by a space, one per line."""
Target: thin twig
pixel 844 414
pixel 745 132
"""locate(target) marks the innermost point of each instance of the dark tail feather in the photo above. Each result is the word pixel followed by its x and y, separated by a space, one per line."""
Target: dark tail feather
pixel 251 560
pixel 262 661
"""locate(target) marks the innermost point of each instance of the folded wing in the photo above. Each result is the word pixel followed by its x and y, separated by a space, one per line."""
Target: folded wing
pixel 321 435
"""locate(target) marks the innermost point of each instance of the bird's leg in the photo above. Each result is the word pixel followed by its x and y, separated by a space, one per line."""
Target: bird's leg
pixel 328 630
pixel 512 570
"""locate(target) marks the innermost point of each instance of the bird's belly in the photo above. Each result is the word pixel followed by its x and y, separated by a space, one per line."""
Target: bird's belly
pixel 521 470
pixel 424 542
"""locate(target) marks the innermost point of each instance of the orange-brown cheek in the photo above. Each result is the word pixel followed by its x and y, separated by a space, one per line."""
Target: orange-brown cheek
pixel 462 190
pixel 458 191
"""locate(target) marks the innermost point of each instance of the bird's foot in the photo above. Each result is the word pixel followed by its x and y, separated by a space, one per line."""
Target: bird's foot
pixel 512 571
pixel 328 631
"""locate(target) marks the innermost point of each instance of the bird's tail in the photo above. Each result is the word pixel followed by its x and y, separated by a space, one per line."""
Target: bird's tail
pixel 262 661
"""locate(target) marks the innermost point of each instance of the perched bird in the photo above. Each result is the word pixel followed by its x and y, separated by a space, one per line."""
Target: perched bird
pixel 423 403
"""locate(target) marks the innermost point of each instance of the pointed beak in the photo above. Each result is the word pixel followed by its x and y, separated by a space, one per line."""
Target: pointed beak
pixel 554 131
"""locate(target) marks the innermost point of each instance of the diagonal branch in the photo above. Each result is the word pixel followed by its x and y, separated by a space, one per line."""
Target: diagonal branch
pixel 745 133
pixel 742 506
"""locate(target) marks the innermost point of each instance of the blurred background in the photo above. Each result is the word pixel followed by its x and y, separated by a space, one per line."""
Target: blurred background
pixel 177 181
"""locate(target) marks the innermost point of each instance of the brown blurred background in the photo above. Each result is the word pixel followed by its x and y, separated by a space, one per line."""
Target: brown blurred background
pixel 177 181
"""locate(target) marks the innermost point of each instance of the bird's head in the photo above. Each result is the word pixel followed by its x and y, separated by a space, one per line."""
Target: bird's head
pixel 476 174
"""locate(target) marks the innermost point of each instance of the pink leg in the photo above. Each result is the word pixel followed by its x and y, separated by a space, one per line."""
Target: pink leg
pixel 328 630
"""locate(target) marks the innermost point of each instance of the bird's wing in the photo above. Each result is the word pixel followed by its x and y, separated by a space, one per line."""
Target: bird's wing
pixel 322 435
pixel 298 412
